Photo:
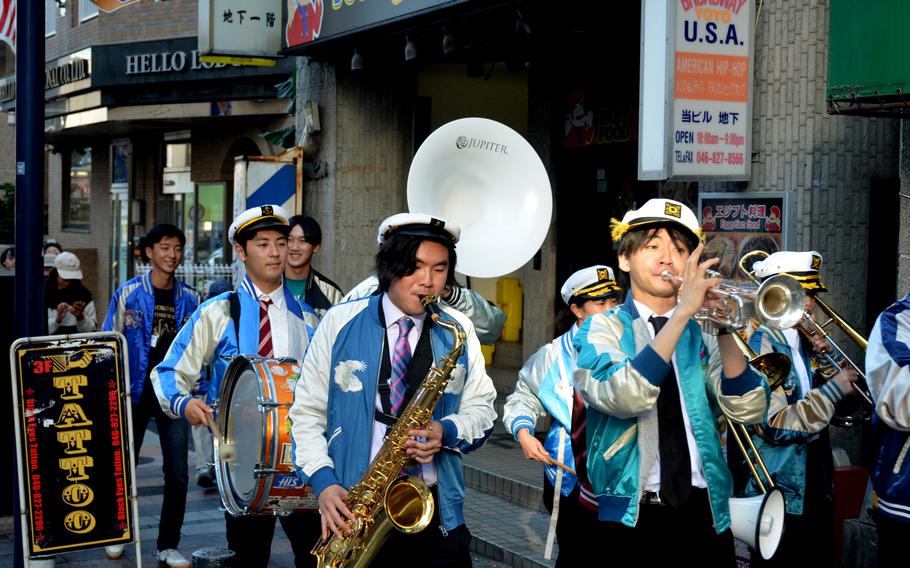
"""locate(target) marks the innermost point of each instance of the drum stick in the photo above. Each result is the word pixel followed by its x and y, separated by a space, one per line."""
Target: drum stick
pixel 225 449
pixel 563 466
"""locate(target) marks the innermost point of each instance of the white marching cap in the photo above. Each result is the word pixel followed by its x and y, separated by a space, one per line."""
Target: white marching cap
pixel 418 224
pixel 591 283
pixel 257 218
pixel 657 211
pixel 800 265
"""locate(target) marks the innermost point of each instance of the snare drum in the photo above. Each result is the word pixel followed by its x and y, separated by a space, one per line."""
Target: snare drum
pixel 253 404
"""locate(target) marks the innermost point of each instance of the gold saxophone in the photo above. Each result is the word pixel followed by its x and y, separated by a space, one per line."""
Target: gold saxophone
pixel 383 499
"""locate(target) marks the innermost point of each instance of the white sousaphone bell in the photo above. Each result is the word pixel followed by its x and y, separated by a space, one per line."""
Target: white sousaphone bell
pixel 759 521
pixel 486 178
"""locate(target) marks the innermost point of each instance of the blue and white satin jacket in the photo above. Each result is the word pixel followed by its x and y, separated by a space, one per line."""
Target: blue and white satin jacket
pixel 210 338
pixel 620 376
pixel 334 402
pixel 888 373
pixel 545 385
pixel 132 313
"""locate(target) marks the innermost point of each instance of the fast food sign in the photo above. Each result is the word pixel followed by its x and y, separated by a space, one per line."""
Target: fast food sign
pixel 73 441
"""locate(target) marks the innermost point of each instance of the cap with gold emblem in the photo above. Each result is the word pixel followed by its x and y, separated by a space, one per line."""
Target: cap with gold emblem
pixel 420 225
pixel 801 266
pixel 657 211
pixel 254 219
pixel 591 283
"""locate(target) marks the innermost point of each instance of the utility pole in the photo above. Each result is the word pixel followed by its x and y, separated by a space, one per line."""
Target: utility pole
pixel 30 313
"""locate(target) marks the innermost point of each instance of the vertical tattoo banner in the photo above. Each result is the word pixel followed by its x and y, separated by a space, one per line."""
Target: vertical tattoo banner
pixel 72 434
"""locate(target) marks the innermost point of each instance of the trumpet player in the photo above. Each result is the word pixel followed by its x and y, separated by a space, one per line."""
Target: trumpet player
pixel 367 359
pixel 794 441
pixel 655 384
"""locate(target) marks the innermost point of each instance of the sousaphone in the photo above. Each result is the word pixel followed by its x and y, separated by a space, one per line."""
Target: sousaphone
pixel 485 177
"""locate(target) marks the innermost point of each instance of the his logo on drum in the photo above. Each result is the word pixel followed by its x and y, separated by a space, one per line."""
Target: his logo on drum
pixel 287 481
pixel 463 142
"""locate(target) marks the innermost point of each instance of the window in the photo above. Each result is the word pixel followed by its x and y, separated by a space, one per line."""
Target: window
pixel 77 194
pixel 50 17
pixel 87 10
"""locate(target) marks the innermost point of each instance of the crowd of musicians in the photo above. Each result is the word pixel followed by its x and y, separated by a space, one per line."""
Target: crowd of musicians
pixel 637 390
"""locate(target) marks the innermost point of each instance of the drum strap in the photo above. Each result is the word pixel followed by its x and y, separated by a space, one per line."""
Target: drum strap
pixel 235 316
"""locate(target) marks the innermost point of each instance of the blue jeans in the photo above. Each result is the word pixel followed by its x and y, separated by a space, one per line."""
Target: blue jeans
pixel 174 436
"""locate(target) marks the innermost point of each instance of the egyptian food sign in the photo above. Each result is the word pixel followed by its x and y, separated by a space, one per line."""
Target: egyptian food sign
pixel 711 90
pixel 735 224
pixel 73 443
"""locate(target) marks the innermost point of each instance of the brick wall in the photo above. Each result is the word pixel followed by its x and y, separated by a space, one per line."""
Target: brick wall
pixel 826 161
pixel 147 20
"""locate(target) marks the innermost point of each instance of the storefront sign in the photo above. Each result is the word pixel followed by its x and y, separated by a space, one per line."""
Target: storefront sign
pixel 64 75
pixel 73 441
pixel 240 28
pixel 736 224
pixel 165 61
pixel 712 70
pixel 312 21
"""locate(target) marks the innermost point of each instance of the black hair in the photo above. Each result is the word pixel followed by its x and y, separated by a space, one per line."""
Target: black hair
pixel 51 243
pixel 8 253
pixel 633 240
pixel 397 257
pixel 312 232
pixel 159 232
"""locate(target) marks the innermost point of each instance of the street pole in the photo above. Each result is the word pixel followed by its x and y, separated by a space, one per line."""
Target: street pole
pixel 30 313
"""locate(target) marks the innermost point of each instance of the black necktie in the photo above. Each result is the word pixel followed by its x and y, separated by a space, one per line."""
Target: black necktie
pixel 675 466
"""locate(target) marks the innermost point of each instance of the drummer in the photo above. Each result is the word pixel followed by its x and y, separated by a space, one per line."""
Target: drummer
pixel 261 319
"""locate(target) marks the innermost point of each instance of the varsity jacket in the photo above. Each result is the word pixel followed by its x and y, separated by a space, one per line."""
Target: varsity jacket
pixel 794 418
pixel 545 385
pixel 132 313
pixel 888 373
pixel 210 338
pixel 321 293
pixel 620 376
pixel 487 318
pixel 333 411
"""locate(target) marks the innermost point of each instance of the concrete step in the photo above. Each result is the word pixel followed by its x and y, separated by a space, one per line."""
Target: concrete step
pixel 516 492
pixel 508 355
pixel 505 532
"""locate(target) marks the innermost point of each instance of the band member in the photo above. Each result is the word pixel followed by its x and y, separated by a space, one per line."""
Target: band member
pixel 654 384
pixel 270 323
pixel 148 310
pixel 367 358
pixel 545 385
pixel 888 372
pixel 305 282
pixel 794 441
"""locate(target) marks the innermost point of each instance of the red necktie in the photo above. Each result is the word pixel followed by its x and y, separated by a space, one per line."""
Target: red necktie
pixel 265 329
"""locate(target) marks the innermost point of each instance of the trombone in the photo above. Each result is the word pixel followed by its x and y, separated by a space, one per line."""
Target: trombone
pixel 809 326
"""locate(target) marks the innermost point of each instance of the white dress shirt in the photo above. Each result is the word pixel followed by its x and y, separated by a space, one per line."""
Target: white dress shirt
pixel 278 319
pixel 652 482
pixel 392 315
pixel 792 337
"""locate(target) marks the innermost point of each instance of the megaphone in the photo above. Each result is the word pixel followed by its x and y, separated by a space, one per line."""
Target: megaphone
pixel 487 179
pixel 759 521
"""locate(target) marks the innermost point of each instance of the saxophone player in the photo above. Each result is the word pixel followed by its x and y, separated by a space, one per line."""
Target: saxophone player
pixel 367 358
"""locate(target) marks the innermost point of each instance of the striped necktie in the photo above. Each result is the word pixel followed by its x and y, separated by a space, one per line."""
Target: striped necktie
pixel 265 329
pixel 401 358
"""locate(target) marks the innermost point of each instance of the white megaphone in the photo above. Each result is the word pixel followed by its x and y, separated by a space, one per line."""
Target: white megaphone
pixel 759 521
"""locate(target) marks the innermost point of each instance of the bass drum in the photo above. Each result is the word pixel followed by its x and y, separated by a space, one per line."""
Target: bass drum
pixel 259 478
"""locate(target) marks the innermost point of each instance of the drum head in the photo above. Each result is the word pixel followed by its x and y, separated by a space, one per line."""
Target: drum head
pixel 244 429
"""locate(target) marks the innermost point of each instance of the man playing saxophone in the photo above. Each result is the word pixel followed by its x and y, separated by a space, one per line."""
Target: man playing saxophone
pixel 367 359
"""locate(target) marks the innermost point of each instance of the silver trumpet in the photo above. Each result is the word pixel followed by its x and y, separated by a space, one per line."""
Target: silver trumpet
pixel 778 303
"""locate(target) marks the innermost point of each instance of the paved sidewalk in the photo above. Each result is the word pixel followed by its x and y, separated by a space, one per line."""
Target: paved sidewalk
pixel 204 521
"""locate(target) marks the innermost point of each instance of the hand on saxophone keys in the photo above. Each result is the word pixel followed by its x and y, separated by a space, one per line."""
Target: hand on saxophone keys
pixel 333 511
pixel 424 444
